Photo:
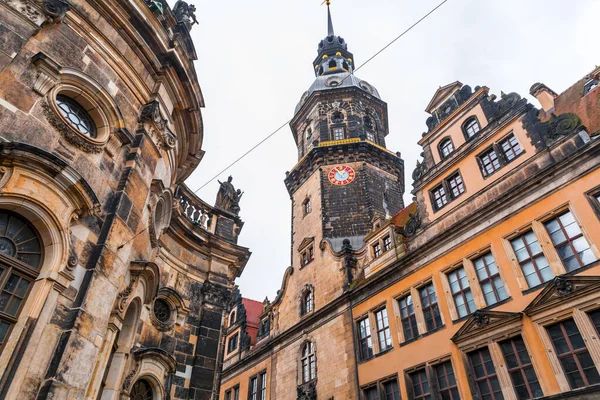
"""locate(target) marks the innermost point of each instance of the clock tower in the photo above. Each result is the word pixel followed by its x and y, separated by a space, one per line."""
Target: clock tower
pixel 345 176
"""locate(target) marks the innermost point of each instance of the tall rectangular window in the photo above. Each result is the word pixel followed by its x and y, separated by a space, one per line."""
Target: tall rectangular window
pixel 408 318
pixel 429 305
pixel 446 381
pixel 387 243
pixel 595 317
pixel 510 147
pixel 232 344
pixel 338 133
pixel 574 357
pixel 236 393
pixel 522 374
pixel 420 385
pixel 569 242
pixel 262 378
pixel 489 279
pixel 253 388
pixel 228 395
pixel 383 330
pixel 376 250
pixel 371 393
pixel 489 162
pixel 364 338
pixel 438 197
pixel 486 379
pixel 391 390
pixel 461 292
pixel 533 263
pixel 455 183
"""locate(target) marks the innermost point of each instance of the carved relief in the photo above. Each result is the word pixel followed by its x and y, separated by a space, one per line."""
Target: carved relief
pixel 69 134
pixel 156 127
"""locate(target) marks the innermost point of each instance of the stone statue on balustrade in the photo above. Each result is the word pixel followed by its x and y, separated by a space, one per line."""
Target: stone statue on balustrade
pixel 185 13
pixel 228 198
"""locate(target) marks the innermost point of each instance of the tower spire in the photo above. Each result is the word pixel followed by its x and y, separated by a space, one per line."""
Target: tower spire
pixel 330 31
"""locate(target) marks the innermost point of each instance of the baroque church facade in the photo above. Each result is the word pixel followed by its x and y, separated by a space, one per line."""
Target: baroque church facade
pixel 484 287
pixel 115 278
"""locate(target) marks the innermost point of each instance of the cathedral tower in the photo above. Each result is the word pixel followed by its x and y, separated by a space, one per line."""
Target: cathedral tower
pixel 345 175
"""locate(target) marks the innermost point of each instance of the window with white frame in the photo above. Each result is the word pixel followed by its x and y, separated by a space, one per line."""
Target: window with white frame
pixel 531 259
pixel 461 292
pixel 383 329
pixel 338 134
pixel 569 242
pixel 308 362
pixel 489 279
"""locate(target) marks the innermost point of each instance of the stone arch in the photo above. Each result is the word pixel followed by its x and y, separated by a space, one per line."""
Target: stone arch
pixel 161 209
pixel 307 343
pixel 151 364
pixel 171 302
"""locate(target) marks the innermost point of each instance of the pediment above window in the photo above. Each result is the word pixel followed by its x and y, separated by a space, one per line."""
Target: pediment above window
pixel 561 288
pixel 306 242
pixel 482 323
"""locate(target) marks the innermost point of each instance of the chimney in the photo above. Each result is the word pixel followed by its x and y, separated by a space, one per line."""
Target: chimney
pixel 544 95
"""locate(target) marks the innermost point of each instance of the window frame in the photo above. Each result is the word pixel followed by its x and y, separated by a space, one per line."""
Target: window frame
pixel 448 194
pixel 450 387
pixel 465 127
pixel 506 139
pixel 310 359
pixel 454 270
pixel 482 165
pixel 367 339
pixel 420 372
pixel 490 277
pixel 521 366
pixel 235 340
pixel 440 146
pixel 572 352
pixel 410 319
pixel 307 304
pixel 260 390
pixel 384 330
pixel 430 308
pixel 568 240
pixel 487 377
pixel 520 234
pixel 306 207
pixel 377 250
pixel 387 243
pixel 379 387
pixel 335 130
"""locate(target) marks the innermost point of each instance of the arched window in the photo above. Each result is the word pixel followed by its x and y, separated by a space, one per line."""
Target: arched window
pixel 308 137
pixel 337 117
pixel 21 257
pixel 142 390
pixel 308 362
pixel 232 318
pixel 446 147
pixel 307 302
pixel 332 64
pixel 471 127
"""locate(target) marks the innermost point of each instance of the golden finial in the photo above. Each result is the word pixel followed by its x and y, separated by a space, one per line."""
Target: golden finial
pixel 326 2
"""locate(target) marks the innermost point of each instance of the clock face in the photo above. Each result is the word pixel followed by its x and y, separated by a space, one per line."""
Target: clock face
pixel 341 175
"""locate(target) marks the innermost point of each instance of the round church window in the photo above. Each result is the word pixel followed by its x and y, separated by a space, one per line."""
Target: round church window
pixel 76 115
pixel 162 311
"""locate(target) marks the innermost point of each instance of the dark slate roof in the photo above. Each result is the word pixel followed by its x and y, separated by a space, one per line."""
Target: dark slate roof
pixel 341 80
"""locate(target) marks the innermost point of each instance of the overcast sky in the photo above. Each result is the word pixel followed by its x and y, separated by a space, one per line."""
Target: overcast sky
pixel 255 61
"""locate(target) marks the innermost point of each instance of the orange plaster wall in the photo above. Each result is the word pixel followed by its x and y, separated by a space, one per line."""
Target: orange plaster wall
pixel 454 131
pixel 243 379
pixel 471 173
pixel 438 344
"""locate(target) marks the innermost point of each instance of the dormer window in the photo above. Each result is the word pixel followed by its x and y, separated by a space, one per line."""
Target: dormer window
pixel 471 127
pixel 232 318
pixel 446 147
pixel 590 85
pixel 377 250
pixel 232 344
